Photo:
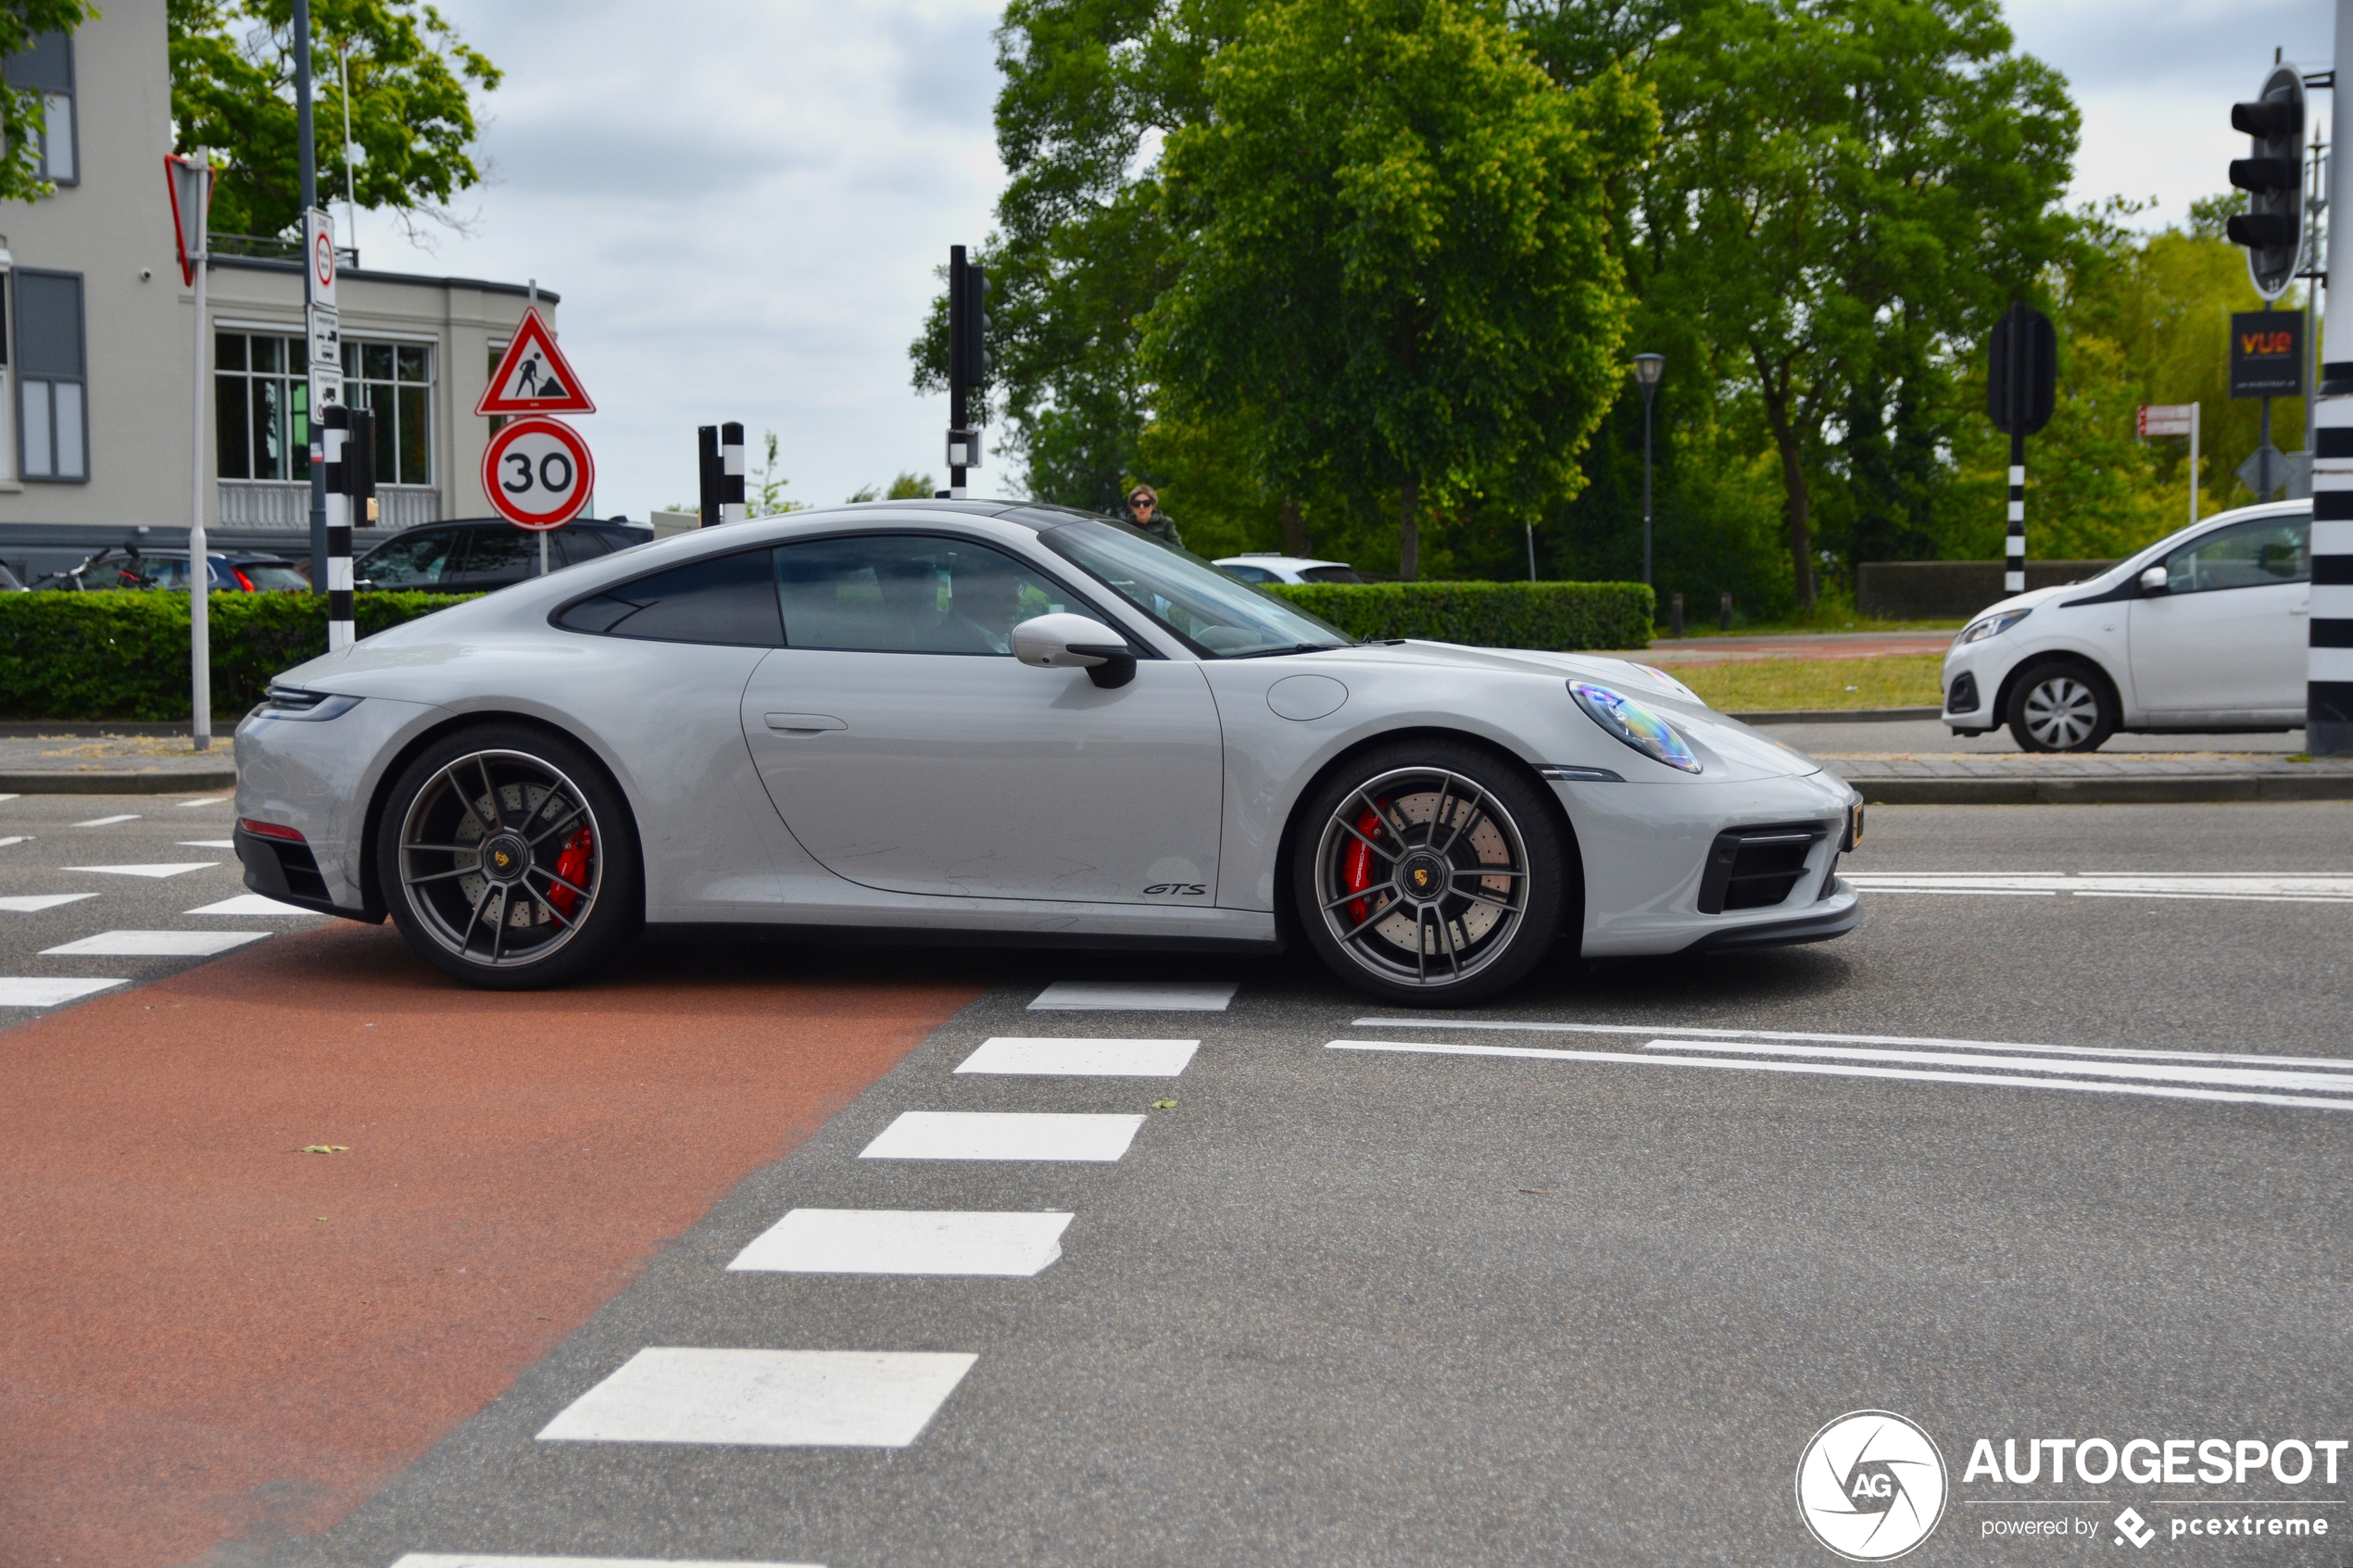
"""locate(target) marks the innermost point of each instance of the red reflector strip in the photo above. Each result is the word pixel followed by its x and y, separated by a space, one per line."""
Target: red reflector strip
pixel 269 830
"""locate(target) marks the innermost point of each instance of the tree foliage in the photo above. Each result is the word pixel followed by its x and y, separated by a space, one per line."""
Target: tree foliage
pixel 413 82
pixel 23 116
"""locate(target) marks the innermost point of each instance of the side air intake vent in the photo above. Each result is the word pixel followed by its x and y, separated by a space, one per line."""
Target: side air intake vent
pixel 1756 868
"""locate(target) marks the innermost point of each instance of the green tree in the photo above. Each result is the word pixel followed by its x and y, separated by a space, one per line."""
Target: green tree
pixel 412 113
pixel 1393 239
pixel 22 115
pixel 909 486
pixel 1846 190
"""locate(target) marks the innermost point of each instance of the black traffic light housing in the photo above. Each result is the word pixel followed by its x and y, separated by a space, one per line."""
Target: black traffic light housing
pixel 967 321
pixel 2272 226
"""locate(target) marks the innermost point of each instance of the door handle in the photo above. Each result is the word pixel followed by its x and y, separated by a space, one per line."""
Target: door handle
pixel 804 723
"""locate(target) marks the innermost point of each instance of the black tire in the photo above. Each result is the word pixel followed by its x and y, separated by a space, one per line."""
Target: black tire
pixel 2063 705
pixel 1490 904
pixel 575 891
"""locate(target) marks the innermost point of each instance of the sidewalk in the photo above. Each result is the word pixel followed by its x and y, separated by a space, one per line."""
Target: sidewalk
pixel 78 762
pixel 2094 779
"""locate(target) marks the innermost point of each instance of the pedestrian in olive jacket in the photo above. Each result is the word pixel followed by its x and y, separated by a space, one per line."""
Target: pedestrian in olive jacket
pixel 1143 511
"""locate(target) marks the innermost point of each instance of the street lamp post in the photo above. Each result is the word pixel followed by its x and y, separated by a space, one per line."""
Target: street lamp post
pixel 1648 368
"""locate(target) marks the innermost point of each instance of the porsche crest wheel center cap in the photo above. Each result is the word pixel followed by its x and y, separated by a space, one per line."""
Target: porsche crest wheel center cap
pixel 1425 878
pixel 504 858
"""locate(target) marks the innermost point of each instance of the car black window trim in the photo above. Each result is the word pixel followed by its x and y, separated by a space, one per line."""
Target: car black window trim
pixel 1081 602
pixel 742 613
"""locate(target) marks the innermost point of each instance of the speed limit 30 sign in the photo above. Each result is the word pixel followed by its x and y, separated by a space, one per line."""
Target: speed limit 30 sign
pixel 537 472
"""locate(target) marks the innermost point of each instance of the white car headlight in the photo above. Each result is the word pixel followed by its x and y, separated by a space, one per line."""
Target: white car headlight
pixel 1634 724
pixel 1992 626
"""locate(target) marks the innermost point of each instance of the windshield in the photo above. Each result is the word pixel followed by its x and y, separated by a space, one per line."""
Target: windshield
pixel 1217 615
pixel 273 577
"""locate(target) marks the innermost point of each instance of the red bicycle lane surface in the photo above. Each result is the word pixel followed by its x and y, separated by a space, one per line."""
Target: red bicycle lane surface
pixel 208 1334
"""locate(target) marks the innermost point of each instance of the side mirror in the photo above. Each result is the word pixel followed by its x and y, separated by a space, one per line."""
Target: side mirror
pixel 2154 580
pixel 1076 642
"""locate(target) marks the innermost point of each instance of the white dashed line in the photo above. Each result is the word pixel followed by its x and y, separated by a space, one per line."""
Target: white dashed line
pixel 20 838
pixel 33 903
pixel 484 1560
pixel 1058 1057
pixel 246 904
pixel 901 1241
pixel 207 843
pixel 2256 886
pixel 154 944
pixel 764 1398
pixel 998 1134
pixel 18 991
pixel 1140 995
pixel 108 821
pixel 206 800
pixel 157 871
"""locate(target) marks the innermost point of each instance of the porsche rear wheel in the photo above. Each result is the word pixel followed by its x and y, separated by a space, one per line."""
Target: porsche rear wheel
pixel 508 859
pixel 1430 874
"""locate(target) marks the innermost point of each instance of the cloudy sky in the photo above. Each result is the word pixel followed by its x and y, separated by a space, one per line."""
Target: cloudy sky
pixel 742 201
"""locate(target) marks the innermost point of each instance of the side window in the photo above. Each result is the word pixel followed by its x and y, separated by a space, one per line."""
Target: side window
pixel 46 68
pixel 2249 555
pixel 1250 573
pixel 50 394
pixel 903 593
pixel 419 561
pixel 495 553
pixel 578 545
pixel 725 599
pixel 1329 575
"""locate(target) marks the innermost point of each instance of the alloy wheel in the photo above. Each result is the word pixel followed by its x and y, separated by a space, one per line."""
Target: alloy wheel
pixel 1422 877
pixel 498 859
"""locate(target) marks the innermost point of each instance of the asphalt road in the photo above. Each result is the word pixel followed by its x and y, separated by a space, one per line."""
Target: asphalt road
pixel 1403 1306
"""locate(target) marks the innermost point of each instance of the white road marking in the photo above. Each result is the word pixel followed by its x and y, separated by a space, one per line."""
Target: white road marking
pixel 2257 886
pixel 204 800
pixel 154 944
pixel 18 838
pixel 764 1398
pixel 1831 1069
pixel 1052 1057
pixel 7 797
pixel 248 904
pixel 2336 1082
pixel 33 903
pixel 207 843
pixel 488 1560
pixel 157 871
pixel 108 821
pixel 1136 995
pixel 17 991
pixel 1657 1031
pixel 904 1241
pixel 1002 1134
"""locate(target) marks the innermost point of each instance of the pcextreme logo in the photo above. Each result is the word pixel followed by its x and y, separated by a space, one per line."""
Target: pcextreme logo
pixel 1871 1486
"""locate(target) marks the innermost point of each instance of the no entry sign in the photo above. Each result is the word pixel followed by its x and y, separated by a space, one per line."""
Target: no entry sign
pixel 537 472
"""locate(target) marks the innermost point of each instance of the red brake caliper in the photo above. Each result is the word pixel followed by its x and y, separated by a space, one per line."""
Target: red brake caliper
pixel 1356 866
pixel 572 866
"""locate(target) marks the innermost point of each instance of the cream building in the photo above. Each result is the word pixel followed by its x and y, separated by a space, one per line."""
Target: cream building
pixel 96 338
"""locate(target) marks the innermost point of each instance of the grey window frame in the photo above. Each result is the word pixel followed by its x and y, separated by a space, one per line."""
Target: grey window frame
pixel 61 86
pixel 389 424
pixel 27 378
pixel 295 386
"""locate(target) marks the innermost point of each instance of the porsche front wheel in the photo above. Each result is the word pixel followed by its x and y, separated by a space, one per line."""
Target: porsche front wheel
pixel 1430 874
pixel 508 859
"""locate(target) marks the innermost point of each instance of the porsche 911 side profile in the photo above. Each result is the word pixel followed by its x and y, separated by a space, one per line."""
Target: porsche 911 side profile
pixel 1000 721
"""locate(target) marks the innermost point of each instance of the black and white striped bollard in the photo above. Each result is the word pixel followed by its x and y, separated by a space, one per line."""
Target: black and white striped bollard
pixel 2014 547
pixel 348 440
pixel 2328 670
pixel 731 472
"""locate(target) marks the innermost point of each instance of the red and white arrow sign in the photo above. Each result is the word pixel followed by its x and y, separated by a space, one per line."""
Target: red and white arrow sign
pixel 533 377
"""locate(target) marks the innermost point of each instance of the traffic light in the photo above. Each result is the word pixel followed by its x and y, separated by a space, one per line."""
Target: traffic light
pixel 2272 226
pixel 967 321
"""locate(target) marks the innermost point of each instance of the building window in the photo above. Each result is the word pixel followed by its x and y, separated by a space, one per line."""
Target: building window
pixel 262 405
pixel 393 380
pixel 47 68
pixel 52 429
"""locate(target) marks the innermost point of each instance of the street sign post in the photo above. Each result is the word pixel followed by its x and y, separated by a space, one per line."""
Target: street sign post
pixel 537 472
pixel 322 317
pixel 2021 388
pixel 532 376
pixel 190 179
pixel 2174 419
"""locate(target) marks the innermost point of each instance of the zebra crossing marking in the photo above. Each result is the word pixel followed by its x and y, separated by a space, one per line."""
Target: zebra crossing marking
pixel 1057 1057
pixel 1134 996
pixel 154 944
pixel 32 991
pixel 1004 1134
pixel 33 903
pixel 764 1398
pixel 906 1241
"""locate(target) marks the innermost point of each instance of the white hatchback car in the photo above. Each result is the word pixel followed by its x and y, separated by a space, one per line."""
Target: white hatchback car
pixel 2204 631
pixel 1288 569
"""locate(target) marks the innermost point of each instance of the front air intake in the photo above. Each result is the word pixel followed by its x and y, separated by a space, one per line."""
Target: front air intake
pixel 1756 868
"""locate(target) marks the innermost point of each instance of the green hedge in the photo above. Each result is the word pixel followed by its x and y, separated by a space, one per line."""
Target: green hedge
pixel 1562 616
pixel 124 655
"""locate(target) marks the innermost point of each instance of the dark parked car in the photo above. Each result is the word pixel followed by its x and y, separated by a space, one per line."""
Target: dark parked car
pixel 476 555
pixel 232 572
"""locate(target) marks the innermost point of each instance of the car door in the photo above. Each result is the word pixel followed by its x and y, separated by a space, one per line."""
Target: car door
pixel 907 750
pixel 2227 639
pixel 426 561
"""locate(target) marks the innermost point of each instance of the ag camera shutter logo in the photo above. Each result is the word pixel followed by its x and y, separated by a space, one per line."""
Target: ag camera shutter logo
pixel 1871 1486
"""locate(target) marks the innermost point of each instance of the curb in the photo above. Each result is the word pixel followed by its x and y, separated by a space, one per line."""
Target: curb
pixel 30 729
pixel 119 783
pixel 2165 789
pixel 1837 715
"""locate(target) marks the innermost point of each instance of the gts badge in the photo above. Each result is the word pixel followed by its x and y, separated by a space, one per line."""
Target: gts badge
pixel 1176 890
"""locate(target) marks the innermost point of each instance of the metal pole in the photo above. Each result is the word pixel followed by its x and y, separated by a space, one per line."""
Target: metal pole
pixel 1646 485
pixel 2329 663
pixel 306 165
pixel 957 370
pixel 350 201
pixel 199 550
pixel 1531 549
pixel 2194 408
pixel 707 473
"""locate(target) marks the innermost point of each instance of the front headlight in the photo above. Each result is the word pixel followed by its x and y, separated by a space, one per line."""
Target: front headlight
pixel 1634 724
pixel 1992 626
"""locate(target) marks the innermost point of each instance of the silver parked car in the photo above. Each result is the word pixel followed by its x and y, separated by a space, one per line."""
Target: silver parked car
pixel 988 717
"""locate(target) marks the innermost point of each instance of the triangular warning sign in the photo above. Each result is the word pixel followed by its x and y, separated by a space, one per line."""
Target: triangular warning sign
pixel 532 377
